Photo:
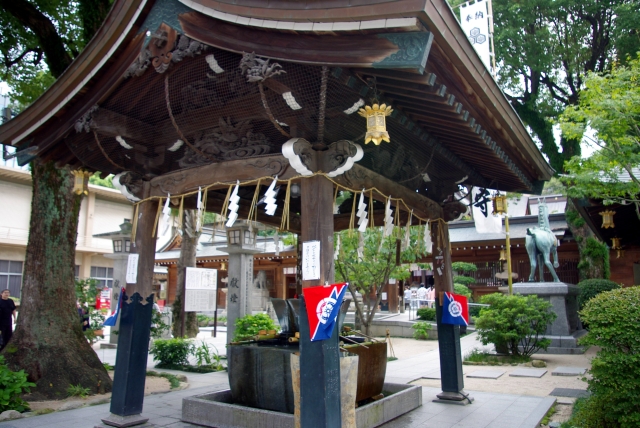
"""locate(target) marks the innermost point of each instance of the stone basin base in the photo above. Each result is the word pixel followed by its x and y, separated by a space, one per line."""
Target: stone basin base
pixel 216 410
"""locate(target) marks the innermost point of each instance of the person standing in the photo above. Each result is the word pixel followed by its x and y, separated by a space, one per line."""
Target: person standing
pixel 422 296
pixel 7 315
pixel 407 297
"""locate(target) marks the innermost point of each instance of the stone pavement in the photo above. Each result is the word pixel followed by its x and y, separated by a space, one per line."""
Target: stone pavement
pixel 491 410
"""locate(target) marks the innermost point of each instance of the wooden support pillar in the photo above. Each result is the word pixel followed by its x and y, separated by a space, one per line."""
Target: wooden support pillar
pixel 448 335
pixel 319 361
pixel 135 322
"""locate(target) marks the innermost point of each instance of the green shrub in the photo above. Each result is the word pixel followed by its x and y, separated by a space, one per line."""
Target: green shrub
pixel 205 356
pixel 464 280
pixel 515 321
pixel 77 391
pixel 158 326
pixel 474 311
pixel 463 267
pixel 250 325
pixel 427 314
pixel 590 288
pixel 12 386
pixel 171 352
pixel 462 289
pixel 421 330
pixel 613 323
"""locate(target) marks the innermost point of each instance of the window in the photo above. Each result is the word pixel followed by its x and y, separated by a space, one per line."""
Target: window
pixel 234 236
pixel 77 271
pixel 104 276
pixel 11 277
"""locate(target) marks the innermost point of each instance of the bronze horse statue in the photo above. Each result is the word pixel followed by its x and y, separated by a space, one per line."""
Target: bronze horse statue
pixel 540 241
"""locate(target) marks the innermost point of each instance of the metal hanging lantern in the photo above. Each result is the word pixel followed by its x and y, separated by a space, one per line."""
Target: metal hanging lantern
pixel 615 243
pixel 607 219
pixel 376 123
pixel 81 182
pixel 499 204
pixel 620 254
pixel 503 255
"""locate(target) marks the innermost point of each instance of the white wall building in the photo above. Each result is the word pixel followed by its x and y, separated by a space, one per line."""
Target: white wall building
pixel 103 210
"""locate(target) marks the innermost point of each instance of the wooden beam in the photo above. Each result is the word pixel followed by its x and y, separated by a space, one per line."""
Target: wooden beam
pixel 360 177
pixel 186 180
pixel 112 124
pixel 353 50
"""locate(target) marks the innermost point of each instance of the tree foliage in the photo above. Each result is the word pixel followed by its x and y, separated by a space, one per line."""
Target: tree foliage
pixel 367 260
pixel 609 106
pixel 40 38
pixel 544 49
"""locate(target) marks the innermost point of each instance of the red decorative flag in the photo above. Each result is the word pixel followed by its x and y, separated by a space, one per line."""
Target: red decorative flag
pixel 455 309
pixel 323 305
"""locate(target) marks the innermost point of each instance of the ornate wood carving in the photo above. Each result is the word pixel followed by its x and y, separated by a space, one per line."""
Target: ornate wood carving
pixel 227 141
pixel 165 47
pixel 168 184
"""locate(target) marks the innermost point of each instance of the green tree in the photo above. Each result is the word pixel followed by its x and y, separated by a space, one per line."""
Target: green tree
pixel 367 260
pixel 104 182
pixel 545 48
pixel 609 106
pixel 38 41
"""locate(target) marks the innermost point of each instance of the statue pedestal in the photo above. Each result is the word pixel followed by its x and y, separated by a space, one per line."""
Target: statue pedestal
pixel 566 329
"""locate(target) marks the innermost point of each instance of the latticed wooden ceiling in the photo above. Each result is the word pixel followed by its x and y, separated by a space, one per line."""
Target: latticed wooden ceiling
pixel 199 89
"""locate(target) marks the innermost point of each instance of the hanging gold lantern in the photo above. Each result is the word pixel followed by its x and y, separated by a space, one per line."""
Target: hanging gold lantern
pixel 503 255
pixel 81 181
pixel 376 123
pixel 620 254
pixel 615 243
pixel 499 204
pixel 607 219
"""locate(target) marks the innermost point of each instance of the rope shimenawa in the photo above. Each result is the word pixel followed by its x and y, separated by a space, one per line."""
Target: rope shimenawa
pixel 398 202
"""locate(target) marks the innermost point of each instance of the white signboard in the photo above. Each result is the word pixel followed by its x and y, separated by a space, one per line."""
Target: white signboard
pixel 475 23
pixel 310 260
pixel 201 289
pixel 132 268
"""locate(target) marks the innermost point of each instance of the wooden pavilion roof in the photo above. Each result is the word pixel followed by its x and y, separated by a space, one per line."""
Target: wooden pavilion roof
pixel 167 70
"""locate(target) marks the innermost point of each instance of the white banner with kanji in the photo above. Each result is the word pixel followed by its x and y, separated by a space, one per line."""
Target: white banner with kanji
pixel 482 208
pixel 475 23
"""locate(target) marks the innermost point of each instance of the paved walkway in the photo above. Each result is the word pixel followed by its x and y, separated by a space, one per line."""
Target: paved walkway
pixel 489 410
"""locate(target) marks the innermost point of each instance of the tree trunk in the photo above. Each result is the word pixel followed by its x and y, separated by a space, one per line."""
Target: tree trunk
pixel 187 259
pixel 48 343
pixel 594 255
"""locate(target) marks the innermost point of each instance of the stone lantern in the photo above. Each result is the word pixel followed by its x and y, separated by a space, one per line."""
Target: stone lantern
pixel 241 246
pixel 121 240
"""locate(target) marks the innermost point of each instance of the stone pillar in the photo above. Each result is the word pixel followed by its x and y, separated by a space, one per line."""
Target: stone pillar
pixel 448 335
pixel 319 361
pixel 135 322
pixel 239 285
